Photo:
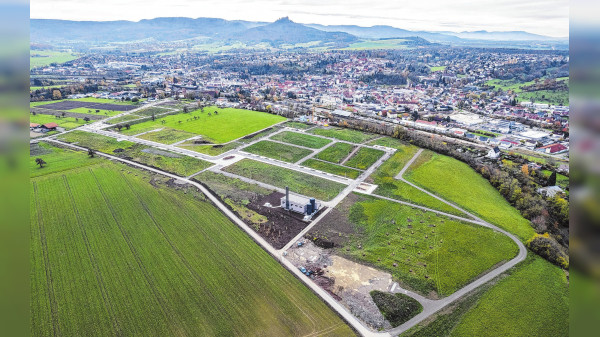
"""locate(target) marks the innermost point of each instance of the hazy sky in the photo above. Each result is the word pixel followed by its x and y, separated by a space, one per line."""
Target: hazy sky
pixel 546 17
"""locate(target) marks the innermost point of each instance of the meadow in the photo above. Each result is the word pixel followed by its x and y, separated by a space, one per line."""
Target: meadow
pixel 41 58
pixel 64 122
pixel 554 97
pixel 335 153
pixel 331 168
pixel 288 153
pixel 166 136
pixel 301 139
pixel 211 150
pixel 430 254
pixel 298 125
pixel 116 251
pixel 349 135
pixel 164 160
pixel 224 126
pixel 302 183
pixel 455 181
pixel 364 158
pixel 438 68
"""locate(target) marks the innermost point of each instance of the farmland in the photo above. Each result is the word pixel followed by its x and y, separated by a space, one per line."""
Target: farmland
pixel 457 182
pixel 557 97
pixel 226 125
pixel 40 58
pixel 288 153
pixel 331 168
pixel 347 135
pixel 335 153
pixel 64 122
pixel 117 251
pixel 166 136
pixel 211 150
pixel 430 254
pixel 298 182
pixel 364 158
pixel 298 125
pixel 301 139
pixel 164 160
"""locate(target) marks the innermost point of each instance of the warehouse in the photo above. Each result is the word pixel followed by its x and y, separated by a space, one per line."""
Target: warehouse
pixel 299 204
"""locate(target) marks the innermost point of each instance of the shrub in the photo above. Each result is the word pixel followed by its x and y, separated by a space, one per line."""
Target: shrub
pixel 396 308
pixel 547 247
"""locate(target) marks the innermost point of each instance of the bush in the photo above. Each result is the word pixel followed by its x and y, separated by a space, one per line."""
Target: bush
pixel 396 308
pixel 547 247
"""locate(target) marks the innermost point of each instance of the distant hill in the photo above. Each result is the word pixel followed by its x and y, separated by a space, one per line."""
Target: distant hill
pixel 383 32
pixel 502 36
pixel 286 31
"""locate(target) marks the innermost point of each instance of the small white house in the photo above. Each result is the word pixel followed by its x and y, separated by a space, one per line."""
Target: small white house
pixel 493 153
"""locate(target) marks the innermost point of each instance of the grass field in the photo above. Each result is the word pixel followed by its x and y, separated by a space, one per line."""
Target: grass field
pixel 506 85
pixel 336 153
pixel 64 122
pixel 389 186
pixel 113 254
pixel 298 182
pixel 123 119
pixel 298 125
pixel 455 181
pixel 228 124
pixel 431 254
pixel 545 96
pixel 211 150
pixel 166 136
pixel 89 111
pixel 331 168
pixel 438 68
pixel 364 158
pixel 57 159
pixel 301 139
pixel 41 58
pixel 348 135
pixel 288 153
pixel 533 301
pixel 164 160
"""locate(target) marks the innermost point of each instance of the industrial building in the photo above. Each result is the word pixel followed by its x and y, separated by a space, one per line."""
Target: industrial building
pixel 298 204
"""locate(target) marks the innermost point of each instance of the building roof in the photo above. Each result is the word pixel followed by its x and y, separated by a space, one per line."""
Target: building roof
pixel 50 125
pixel 297 199
pixel 33 125
pixel 554 148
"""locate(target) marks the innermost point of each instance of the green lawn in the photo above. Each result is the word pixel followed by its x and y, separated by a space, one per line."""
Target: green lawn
pixel 288 153
pixel 364 158
pixel 64 122
pixel 348 135
pixel 455 181
pixel 56 158
pixel 424 252
pixel 227 125
pixel 41 58
pixel 92 111
pixel 167 136
pixel 331 168
pixel 533 301
pixel 115 251
pixel 438 68
pixel 545 96
pixel 336 153
pixel 301 139
pixel 167 161
pixel 211 150
pixel 302 183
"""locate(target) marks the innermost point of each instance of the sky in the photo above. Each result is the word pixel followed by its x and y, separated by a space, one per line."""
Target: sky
pixel 545 17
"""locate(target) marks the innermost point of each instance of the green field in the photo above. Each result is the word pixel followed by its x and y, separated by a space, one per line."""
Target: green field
pixel 167 161
pixel 211 150
pixel 64 122
pixel 302 183
pixel 438 68
pixel 336 153
pixel 41 58
pixel 506 85
pixel 331 168
pixel 115 251
pixel 533 301
pixel 364 158
pixel 56 158
pixel 123 119
pixel 166 136
pixel 348 135
pixel 298 125
pixel 288 153
pixel 89 111
pixel 561 180
pixel 455 181
pixel 430 254
pixel 389 186
pixel 301 139
pixel 228 124
pixel 545 96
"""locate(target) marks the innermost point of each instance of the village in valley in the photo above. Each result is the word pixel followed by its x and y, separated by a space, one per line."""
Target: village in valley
pixel 308 189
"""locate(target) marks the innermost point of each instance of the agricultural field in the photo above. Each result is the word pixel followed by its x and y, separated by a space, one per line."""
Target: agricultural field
pixel 132 257
pixel 298 125
pixel 389 186
pixel 67 123
pixel 364 158
pixel 331 168
pixel 301 139
pixel 166 136
pixel 211 150
pixel 349 135
pixel 41 58
pixel 335 153
pixel 555 97
pixel 302 183
pixel 288 153
pixel 427 253
pixel 57 159
pixel 438 68
pixel 124 119
pixel 165 160
pixel 455 181
pixel 224 126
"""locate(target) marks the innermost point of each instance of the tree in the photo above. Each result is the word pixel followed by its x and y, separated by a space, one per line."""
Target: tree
pixel 87 119
pixel 91 153
pixel 153 117
pixel 127 126
pixel 56 94
pixel 552 179
pixel 185 109
pixel 525 169
pixel 135 100
pixel 40 161
pixel 119 127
